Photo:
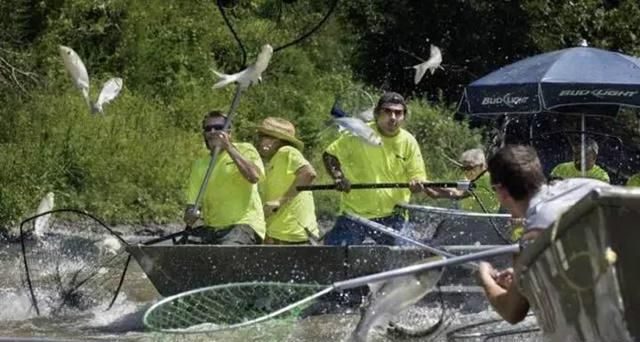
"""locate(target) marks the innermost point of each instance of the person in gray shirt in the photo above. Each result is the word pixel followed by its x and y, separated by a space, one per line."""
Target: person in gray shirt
pixel 520 186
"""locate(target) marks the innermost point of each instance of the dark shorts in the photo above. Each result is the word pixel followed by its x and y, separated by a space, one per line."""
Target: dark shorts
pixel 346 232
pixel 237 234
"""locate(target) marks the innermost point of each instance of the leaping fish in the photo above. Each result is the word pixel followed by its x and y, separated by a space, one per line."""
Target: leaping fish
pixel 431 64
pixel 354 126
pixel 42 222
pixel 387 299
pixel 80 77
pixel 250 75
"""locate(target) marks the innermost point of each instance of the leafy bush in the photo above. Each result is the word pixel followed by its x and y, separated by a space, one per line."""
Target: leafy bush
pixel 130 164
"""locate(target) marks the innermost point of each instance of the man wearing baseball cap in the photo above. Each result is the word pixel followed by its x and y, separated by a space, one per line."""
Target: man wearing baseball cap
pixel 351 160
pixel 290 215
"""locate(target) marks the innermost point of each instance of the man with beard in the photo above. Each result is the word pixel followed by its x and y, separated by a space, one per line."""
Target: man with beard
pixel 231 205
pixel 349 159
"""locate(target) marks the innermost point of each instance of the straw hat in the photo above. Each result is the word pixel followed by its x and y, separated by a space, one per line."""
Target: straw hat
pixel 282 129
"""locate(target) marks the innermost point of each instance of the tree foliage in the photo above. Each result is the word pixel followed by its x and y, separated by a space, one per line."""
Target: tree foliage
pixel 130 164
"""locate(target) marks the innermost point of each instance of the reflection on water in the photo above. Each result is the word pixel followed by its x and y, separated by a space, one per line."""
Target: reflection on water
pixel 55 262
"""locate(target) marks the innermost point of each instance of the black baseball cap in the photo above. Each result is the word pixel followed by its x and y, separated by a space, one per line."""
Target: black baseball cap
pixel 391 97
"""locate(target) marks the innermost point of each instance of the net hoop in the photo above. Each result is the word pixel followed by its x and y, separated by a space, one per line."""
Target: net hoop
pixel 153 316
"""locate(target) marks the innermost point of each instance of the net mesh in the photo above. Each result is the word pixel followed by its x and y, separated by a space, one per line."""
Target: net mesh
pixel 356 102
pixel 73 265
pixel 497 330
pixel 226 306
pixel 455 227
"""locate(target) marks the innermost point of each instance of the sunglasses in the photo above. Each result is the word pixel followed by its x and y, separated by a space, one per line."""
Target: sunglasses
pixel 217 127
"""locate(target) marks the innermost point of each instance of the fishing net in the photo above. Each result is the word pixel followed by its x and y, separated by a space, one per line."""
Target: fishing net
pixel 357 102
pixel 456 227
pixel 229 306
pixel 497 330
pixel 74 265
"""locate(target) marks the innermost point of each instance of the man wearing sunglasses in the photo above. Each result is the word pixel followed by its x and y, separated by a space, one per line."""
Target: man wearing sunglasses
pixel 351 160
pixel 231 205
pixel 521 187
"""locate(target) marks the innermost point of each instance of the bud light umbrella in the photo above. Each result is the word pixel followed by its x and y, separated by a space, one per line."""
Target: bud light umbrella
pixel 580 80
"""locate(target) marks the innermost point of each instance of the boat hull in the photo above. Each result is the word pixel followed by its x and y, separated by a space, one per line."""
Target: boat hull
pixel 582 275
pixel 174 269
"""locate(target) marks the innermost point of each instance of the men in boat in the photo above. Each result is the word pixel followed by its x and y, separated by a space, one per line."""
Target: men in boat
pixel 351 160
pixel 231 205
pixel 520 186
pixel 290 215
pixel 481 198
pixel 573 169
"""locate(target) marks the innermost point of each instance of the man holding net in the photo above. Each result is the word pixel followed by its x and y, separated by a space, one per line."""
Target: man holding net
pixel 231 205
pixel 349 159
pixel 520 186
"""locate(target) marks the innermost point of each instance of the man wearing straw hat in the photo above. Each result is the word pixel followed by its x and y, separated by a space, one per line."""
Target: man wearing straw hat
pixel 231 205
pixel 290 215
pixel 349 159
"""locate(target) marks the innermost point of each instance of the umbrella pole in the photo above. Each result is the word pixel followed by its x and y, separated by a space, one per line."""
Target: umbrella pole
pixel 583 128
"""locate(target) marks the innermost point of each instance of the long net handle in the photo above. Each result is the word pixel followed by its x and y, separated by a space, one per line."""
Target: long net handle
pixel 216 151
pixel 457 185
pixel 361 281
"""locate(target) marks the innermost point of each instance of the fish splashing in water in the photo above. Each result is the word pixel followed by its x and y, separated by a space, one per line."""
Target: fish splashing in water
pixel 41 223
pixel 389 298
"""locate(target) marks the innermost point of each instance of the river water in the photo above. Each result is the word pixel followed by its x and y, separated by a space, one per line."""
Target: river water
pixel 54 259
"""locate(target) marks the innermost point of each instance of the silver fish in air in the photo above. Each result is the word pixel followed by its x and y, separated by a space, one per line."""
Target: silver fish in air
pixel 354 126
pixel 431 64
pixel 80 77
pixel 389 298
pixel 250 75
pixel 42 222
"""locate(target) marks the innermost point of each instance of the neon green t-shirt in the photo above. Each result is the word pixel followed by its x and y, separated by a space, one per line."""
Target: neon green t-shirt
pixel 568 170
pixel 485 195
pixel 290 221
pixel 229 198
pixel 398 160
pixel 634 180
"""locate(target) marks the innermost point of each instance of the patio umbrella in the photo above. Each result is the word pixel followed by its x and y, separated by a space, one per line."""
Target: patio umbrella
pixel 579 80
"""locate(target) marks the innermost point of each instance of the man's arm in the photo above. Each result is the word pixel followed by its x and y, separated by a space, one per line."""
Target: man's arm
pixel 508 302
pixel 247 168
pixel 332 165
pixel 304 176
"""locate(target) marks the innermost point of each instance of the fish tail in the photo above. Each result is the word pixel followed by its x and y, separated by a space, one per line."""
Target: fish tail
pixel 224 79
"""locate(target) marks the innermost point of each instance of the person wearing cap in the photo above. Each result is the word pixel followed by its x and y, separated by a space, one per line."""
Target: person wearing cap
pixel 351 160
pixel 474 166
pixel 572 169
pixel 231 205
pixel 290 215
